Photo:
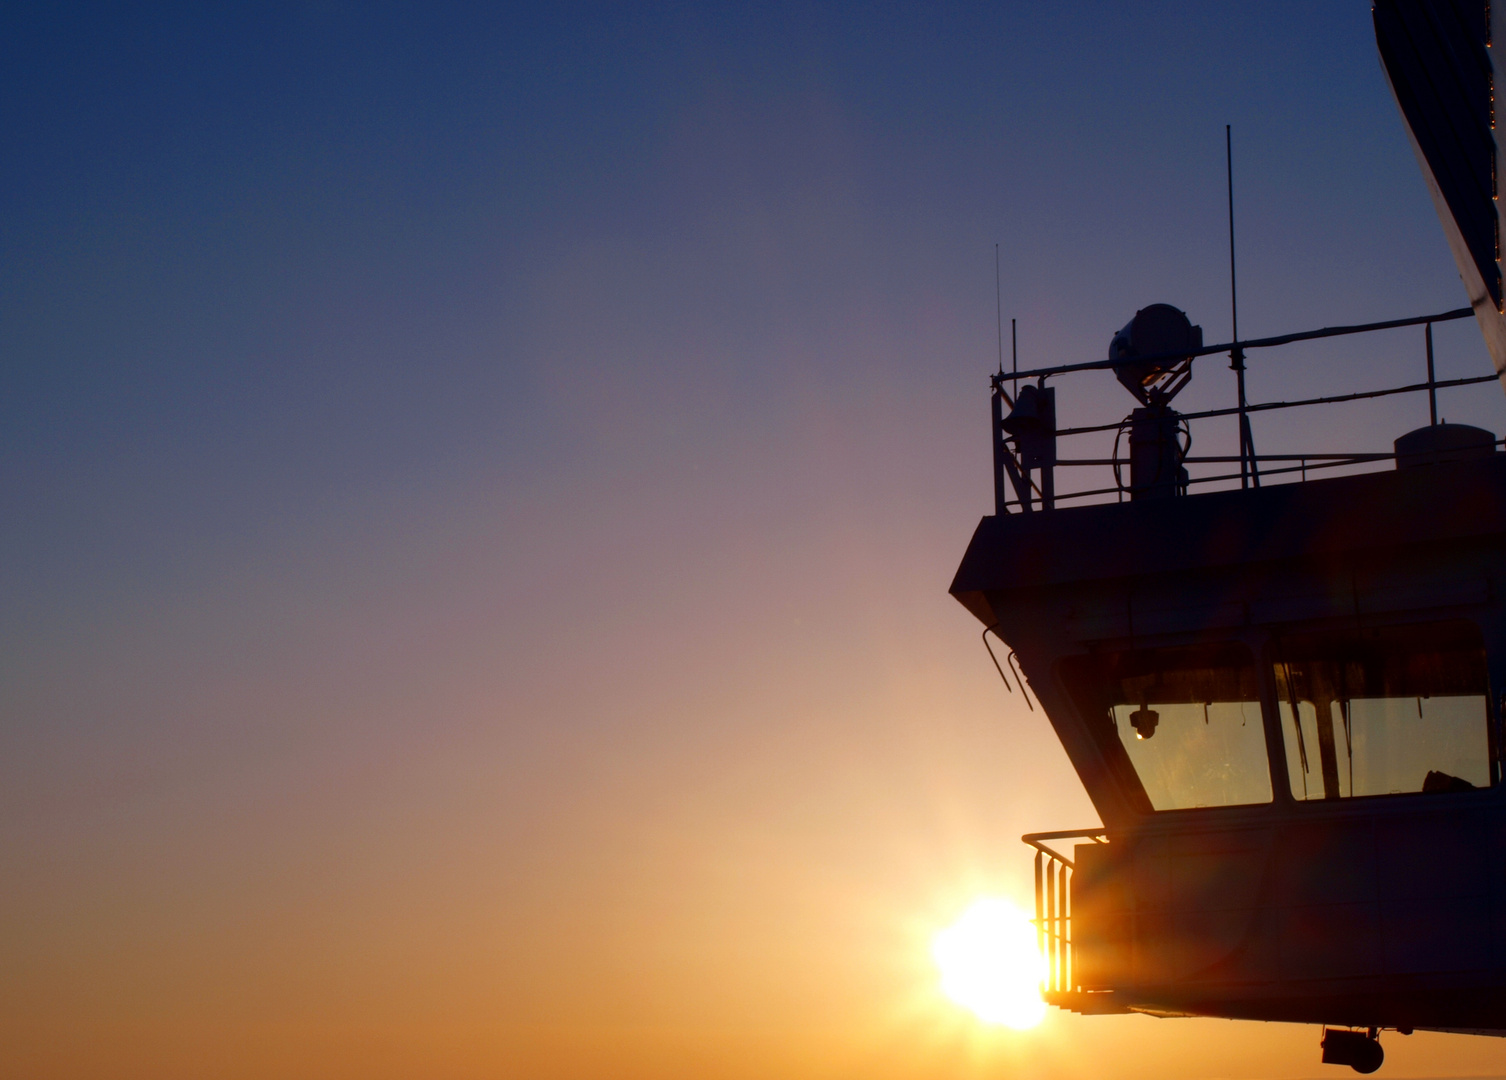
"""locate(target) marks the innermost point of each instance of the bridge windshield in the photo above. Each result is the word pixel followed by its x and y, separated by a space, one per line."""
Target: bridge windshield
pixel 1181 724
pixel 1385 710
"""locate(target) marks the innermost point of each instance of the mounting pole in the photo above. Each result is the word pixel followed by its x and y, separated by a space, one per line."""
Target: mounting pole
pixel 1001 452
pixel 1237 354
pixel 1432 382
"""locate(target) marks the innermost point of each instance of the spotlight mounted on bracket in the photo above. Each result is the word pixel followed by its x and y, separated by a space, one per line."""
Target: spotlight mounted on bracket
pixel 1152 359
pixel 1154 352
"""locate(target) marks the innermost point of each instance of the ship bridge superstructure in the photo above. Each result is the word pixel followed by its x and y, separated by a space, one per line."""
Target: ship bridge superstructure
pixel 1280 675
pixel 1284 699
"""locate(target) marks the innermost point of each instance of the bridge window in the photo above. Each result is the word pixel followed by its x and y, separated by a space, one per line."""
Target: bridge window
pixel 1384 711
pixel 1182 724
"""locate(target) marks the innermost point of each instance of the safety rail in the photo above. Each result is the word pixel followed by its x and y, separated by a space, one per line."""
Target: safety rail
pixel 1025 440
pixel 1053 904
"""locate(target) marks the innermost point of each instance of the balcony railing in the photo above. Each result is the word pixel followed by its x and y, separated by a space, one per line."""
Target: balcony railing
pixel 1025 463
pixel 1053 906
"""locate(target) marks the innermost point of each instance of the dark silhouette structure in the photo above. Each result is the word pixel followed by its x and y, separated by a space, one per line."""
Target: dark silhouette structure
pixel 1285 698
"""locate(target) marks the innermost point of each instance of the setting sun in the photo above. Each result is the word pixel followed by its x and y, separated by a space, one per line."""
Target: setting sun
pixel 991 965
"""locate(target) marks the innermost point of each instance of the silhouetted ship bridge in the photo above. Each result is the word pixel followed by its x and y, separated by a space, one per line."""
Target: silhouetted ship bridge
pixel 1286 699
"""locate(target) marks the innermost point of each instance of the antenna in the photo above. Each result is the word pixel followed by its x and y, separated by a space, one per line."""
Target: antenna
pixel 1237 354
pixel 999 309
pixel 1229 174
pixel 1014 351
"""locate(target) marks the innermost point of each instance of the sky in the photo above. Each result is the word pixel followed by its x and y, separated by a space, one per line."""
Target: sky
pixel 480 485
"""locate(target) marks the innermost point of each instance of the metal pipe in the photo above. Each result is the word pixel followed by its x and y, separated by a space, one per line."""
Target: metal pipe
pixel 1359 459
pixel 1037 840
pixel 1432 382
pixel 1256 343
pixel 1051 922
pixel 1210 459
pixel 1411 388
pixel 1236 354
pixel 1065 896
pixel 999 450
pixel 1040 910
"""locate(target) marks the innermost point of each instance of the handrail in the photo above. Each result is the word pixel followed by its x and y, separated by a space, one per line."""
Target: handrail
pixel 1053 903
pixel 1252 343
pixel 1036 840
pixel 1025 443
pixel 1362 395
pixel 1319 461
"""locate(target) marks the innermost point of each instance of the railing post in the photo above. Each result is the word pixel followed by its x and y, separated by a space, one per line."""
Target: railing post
pixel 1432 382
pixel 1061 941
pixel 1040 914
pixel 1053 907
pixel 1246 451
pixel 1236 354
pixel 1045 448
pixel 1051 958
pixel 999 448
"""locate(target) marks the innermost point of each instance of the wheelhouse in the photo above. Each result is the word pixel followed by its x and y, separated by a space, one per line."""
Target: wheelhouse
pixel 1285 701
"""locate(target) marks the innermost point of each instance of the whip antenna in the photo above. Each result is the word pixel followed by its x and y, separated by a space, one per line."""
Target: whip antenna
pixel 999 309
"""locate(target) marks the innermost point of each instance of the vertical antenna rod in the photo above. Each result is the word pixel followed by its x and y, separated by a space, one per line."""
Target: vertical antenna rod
pixel 1001 454
pixel 1229 176
pixel 1014 352
pixel 999 312
pixel 999 309
pixel 1236 354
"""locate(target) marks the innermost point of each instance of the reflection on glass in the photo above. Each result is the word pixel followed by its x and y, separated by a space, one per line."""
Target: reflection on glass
pixel 1384 711
pixel 1204 754
pixel 1182 725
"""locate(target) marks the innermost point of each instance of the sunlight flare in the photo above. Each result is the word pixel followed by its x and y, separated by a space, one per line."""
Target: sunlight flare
pixel 990 964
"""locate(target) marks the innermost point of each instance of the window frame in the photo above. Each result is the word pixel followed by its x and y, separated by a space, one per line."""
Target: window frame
pixel 1120 769
pixel 1263 644
pixel 1495 706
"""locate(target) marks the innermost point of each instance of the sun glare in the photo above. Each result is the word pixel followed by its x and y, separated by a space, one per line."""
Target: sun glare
pixel 991 965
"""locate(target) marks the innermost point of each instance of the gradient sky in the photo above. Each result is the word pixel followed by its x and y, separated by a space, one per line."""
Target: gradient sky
pixel 480 486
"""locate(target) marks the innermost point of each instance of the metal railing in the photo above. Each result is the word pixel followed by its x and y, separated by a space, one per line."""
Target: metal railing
pixel 1027 464
pixel 1053 904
